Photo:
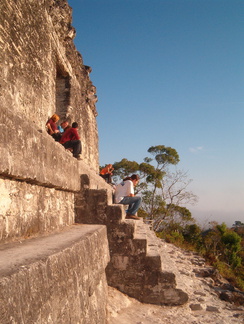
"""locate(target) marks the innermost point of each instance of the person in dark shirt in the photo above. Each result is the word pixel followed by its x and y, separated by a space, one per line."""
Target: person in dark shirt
pixel 71 139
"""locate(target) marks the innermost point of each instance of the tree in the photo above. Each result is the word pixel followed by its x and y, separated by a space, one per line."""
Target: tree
pixel 223 244
pixel 238 225
pixel 124 168
pixel 163 192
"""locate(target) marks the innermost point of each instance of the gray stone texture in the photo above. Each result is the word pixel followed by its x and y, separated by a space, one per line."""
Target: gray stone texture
pixel 50 270
pixel 27 209
pixel 46 277
pixel 59 278
pixel 136 266
pixel 39 63
pixel 34 157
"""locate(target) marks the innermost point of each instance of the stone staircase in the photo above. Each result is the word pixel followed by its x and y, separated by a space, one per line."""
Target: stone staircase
pixel 135 267
pixel 60 276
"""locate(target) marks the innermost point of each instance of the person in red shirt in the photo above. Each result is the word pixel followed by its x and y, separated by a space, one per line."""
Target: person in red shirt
pixel 71 139
pixel 52 127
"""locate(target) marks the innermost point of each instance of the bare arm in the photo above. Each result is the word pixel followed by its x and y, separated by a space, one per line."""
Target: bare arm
pixel 50 131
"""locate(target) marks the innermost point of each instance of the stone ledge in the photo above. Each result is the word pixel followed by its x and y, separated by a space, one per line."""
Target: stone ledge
pixel 28 210
pixel 33 156
pixel 55 279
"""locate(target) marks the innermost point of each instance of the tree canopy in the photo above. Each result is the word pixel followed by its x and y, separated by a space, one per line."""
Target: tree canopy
pixel 163 192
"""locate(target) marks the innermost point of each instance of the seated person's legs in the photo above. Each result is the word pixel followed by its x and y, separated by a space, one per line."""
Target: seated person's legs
pixel 75 145
pixel 133 202
pixel 76 148
pixel 106 177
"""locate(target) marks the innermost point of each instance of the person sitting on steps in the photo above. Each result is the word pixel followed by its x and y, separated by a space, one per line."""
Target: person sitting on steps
pixel 52 127
pixel 124 194
pixel 71 139
pixel 106 173
pixel 63 126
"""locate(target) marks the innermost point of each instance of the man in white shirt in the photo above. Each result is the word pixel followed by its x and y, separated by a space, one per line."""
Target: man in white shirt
pixel 124 194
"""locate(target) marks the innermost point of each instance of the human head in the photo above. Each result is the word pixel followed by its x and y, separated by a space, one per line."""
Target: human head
pixel 55 118
pixel 135 178
pixel 74 125
pixel 64 124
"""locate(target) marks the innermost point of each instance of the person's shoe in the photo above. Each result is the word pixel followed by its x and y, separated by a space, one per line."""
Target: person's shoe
pixel 78 157
pixel 129 216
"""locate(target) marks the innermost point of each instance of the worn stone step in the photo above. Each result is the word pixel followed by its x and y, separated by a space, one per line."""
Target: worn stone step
pixel 92 207
pixel 143 230
pixel 156 252
pixel 136 267
pixel 115 213
pixel 144 245
pixel 49 279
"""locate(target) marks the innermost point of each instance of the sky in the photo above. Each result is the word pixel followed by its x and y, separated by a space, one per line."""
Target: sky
pixel 171 72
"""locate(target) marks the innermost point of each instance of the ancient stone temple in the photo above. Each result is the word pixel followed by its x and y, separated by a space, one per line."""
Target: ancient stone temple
pixel 54 266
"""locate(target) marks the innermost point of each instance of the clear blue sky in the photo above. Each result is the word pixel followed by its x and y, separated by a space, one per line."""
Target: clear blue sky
pixel 171 72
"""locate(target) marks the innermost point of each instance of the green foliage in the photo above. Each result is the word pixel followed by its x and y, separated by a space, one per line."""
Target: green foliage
pixel 172 215
pixel 221 228
pixel 152 204
pixel 192 235
pixel 220 246
pixel 234 276
pixel 238 224
pixel 176 237
pixel 163 192
pixel 124 168
pixel 232 246
pixel 164 155
pixel 231 240
pixel 173 237
pixel 223 244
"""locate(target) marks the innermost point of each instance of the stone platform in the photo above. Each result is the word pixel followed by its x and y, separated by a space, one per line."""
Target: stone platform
pixel 57 278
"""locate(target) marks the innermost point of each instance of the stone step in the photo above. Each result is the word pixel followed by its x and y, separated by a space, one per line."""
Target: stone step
pixel 156 248
pixel 92 207
pixel 49 279
pixel 143 230
pixel 115 213
pixel 166 261
pixel 135 266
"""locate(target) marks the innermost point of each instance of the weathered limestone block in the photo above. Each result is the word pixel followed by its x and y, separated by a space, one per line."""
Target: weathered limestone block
pixel 27 210
pixel 90 180
pixel 29 155
pixel 91 205
pixel 42 73
pixel 135 266
pixel 133 271
pixel 27 59
pixel 55 279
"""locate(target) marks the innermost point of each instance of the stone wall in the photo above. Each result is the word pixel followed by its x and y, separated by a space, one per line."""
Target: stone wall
pixel 57 279
pixel 38 179
pixel 27 209
pixel 44 190
pixel 41 71
pixel 51 271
